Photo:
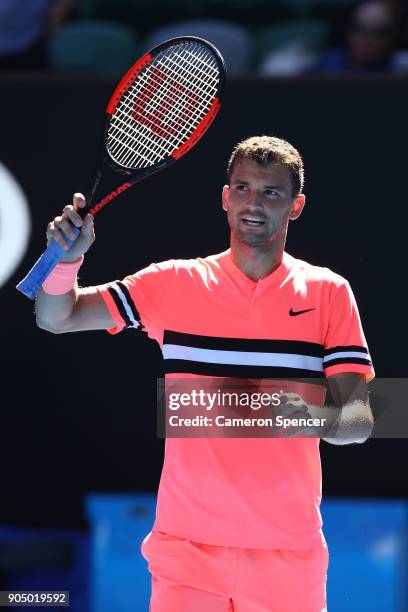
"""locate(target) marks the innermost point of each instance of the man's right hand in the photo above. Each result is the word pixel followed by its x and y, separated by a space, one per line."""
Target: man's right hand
pixel 85 238
pixel 79 309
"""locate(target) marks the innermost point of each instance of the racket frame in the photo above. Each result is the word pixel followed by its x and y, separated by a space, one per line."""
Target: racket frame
pixel 54 253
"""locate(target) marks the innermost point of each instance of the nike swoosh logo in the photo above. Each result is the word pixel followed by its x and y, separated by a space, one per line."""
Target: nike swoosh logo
pixel 299 312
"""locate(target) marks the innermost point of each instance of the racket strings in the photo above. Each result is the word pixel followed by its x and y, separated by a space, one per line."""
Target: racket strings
pixel 173 122
pixel 184 127
pixel 207 86
pixel 162 130
pixel 172 118
pixel 164 105
pixel 182 70
pixel 188 72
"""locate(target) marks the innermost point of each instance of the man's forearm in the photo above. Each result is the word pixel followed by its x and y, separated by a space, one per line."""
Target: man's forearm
pixel 55 308
pixel 353 423
pixel 53 311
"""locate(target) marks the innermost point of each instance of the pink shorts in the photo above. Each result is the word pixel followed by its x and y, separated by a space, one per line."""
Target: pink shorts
pixel 192 577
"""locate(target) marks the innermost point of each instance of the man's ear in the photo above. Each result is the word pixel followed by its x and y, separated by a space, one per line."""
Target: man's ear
pixel 225 194
pixel 297 207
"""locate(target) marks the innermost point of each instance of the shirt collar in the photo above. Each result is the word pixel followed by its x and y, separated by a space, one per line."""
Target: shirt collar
pixel 273 278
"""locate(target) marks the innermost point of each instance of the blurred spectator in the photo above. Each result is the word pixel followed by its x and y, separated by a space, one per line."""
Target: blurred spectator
pixel 24 25
pixel 290 48
pixel 290 59
pixel 372 41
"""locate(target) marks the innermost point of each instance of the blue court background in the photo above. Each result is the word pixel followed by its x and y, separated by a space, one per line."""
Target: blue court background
pixel 367 543
pixel 104 571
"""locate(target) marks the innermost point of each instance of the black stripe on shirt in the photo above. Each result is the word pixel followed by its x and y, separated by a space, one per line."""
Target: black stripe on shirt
pixel 360 361
pixel 130 302
pixel 251 345
pixel 348 348
pixel 120 306
pixel 183 366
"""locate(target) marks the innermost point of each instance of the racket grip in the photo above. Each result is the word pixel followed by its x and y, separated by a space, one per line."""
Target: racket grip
pixel 43 267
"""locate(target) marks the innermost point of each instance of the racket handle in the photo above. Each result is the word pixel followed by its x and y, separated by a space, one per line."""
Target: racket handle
pixel 43 267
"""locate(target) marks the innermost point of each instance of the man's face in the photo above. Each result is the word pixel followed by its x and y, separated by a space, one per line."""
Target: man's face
pixel 260 202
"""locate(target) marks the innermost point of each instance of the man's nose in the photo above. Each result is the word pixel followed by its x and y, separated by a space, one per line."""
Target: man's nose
pixel 253 200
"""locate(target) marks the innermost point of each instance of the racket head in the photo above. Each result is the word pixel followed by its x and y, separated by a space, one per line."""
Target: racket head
pixel 163 105
pixel 158 112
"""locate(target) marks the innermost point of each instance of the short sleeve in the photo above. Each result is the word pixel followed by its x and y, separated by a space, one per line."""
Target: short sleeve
pixel 345 347
pixel 138 301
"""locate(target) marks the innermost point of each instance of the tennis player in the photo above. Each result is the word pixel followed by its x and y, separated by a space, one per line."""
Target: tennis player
pixel 238 526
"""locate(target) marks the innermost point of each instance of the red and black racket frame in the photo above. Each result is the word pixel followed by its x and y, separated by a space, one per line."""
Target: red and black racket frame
pixel 134 176
pixel 31 283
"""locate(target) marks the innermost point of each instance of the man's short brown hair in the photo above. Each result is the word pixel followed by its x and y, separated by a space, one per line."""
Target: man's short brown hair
pixel 266 150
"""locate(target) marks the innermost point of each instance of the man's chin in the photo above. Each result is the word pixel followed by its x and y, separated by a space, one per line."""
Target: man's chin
pixel 253 241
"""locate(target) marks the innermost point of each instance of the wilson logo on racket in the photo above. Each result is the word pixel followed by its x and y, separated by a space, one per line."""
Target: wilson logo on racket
pixel 177 104
pixel 97 207
pixel 158 112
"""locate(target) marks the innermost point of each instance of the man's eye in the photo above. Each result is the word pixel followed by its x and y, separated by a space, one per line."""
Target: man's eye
pixel 240 187
pixel 271 192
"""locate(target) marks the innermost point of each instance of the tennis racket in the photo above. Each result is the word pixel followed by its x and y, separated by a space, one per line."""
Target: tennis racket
pixel 158 112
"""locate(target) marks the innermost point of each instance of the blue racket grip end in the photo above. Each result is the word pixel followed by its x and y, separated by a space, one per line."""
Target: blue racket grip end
pixel 43 267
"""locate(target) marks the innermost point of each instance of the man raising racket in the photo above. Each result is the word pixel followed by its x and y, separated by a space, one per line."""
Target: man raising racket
pixel 238 526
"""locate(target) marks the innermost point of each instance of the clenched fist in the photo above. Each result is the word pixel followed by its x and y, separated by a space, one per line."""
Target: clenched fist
pixel 62 225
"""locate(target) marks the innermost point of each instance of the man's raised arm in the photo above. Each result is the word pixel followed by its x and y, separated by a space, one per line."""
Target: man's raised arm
pixel 78 309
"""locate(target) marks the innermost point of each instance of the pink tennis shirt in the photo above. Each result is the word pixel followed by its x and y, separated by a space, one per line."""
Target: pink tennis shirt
pixel 210 319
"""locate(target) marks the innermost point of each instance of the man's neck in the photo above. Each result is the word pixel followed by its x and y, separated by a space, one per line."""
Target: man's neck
pixel 254 262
